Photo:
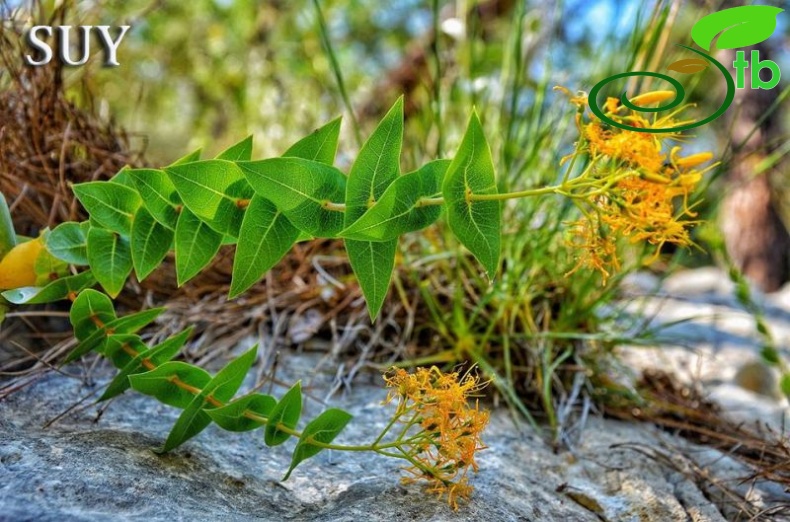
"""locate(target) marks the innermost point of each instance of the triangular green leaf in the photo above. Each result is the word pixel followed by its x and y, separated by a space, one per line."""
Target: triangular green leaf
pixel 232 417
pixel 241 151
pixel 110 258
pixel 196 245
pixel 373 264
pixel 161 383
pixel 320 146
pixel 127 324
pixel 157 355
pixel 215 191
pixel 304 236
pixel 90 310
pixel 322 429
pixel 111 205
pixel 189 158
pixel 123 178
pixel 223 386
pixel 739 27
pixel 158 194
pixel 287 413
pixel 302 190
pixel 266 234
pixel 400 210
pixel 69 242
pixel 265 237
pixel 7 234
pixel 151 241
pixel 228 380
pixel 55 291
pixel 376 167
pixel 475 223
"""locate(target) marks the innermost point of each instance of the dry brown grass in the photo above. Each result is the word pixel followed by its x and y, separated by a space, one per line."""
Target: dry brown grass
pixel 46 140
pixel 686 412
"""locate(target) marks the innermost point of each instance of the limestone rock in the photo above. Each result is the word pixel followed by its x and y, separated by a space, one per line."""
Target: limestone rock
pixel 90 467
pixel 80 468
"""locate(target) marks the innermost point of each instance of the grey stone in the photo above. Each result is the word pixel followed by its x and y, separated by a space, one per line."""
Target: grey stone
pixel 80 468
pixel 89 467
pixel 708 339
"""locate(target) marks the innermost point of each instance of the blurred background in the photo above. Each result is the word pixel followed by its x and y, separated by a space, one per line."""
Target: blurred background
pixel 205 73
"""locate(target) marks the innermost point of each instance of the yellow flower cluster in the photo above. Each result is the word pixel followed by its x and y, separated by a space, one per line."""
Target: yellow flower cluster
pixel 634 189
pixel 444 430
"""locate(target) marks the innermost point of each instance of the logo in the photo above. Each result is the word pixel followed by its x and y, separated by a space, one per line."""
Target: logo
pixel 109 45
pixel 735 27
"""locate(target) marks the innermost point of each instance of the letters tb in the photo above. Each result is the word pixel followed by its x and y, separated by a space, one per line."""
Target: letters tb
pixel 757 65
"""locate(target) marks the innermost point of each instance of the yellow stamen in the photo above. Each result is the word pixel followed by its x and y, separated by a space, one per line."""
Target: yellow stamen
pixel 689 180
pixel 693 160
pixel 612 105
pixel 580 99
pixel 651 97
pixel 655 178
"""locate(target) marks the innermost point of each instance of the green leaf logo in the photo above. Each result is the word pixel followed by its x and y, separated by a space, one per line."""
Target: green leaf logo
pixel 738 26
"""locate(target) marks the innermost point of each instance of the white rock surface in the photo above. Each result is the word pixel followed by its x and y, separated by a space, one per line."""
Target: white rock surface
pixel 712 339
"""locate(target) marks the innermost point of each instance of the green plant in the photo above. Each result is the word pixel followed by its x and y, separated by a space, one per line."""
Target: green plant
pixel 264 207
pixel 769 351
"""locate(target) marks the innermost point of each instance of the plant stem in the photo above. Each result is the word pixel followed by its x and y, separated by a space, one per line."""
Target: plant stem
pixel 324 445
pixel 437 81
pixel 341 85
pixel 391 423
pixel 337 207
pixel 148 365
pixel 425 202
pixel 516 195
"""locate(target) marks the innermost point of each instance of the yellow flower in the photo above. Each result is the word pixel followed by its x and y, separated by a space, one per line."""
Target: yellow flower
pixel 579 99
pixel 448 429
pixel 689 180
pixel 598 249
pixel 612 105
pixel 638 149
pixel 640 207
pixel 634 193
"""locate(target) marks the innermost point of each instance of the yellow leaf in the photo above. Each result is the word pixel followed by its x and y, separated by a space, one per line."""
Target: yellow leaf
pixel 17 269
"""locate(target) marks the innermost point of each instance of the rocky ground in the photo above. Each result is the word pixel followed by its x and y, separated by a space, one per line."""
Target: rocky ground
pixel 709 340
pixel 85 467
